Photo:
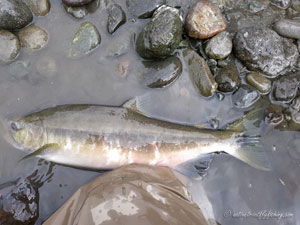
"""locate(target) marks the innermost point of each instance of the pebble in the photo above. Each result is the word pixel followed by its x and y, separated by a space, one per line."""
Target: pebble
pixel 159 74
pixel 93 6
pixel 200 73
pixel 78 12
pixel 228 79
pixel 262 50
pixel 288 28
pixel 245 97
pixel 20 68
pixel 76 2
pixel 9 46
pixel 261 83
pixel 204 20
pixel 162 35
pixel 282 4
pixel 14 14
pixel 46 66
pixel 285 88
pixel 33 37
pixel 86 39
pixel 116 18
pixel 143 8
pixel 256 6
pixel 39 7
pixel 296 5
pixel 219 47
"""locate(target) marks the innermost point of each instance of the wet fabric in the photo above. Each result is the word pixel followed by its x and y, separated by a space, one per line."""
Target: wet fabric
pixel 133 194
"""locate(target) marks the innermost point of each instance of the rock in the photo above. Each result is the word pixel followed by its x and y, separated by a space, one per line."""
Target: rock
pixel 86 39
pixel 39 7
pixel 33 37
pixel 228 79
pixel 159 74
pixel 46 66
pixel 200 73
pixel 93 6
pixel 219 47
pixel 285 88
pixel 162 35
pixel 257 5
pixel 14 14
pixel 274 115
pixel 245 97
pixel 76 2
pixel 9 46
pixel 143 8
pixel 296 5
pixel 204 20
pixel 288 28
pixel 261 83
pixel 20 68
pixel 282 4
pixel 78 12
pixel 21 204
pixel 116 18
pixel 264 51
pixel 296 103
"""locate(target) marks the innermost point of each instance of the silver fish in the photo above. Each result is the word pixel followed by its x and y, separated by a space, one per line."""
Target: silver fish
pixel 102 137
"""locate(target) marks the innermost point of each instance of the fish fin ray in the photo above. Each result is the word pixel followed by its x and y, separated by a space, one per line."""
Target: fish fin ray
pixel 196 168
pixel 139 104
pixel 251 151
pixel 42 150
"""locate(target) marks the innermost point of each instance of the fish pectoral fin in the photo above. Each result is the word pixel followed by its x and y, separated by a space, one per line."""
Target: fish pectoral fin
pixel 195 168
pixel 42 150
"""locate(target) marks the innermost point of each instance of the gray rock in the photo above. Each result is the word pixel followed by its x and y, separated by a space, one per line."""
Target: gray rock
pixel 264 51
pixel 20 68
pixel 296 5
pixel 282 4
pixel 245 97
pixel 204 20
pixel 14 14
pixel 116 18
pixel 93 6
pixel 288 28
pixel 285 88
pixel 162 35
pixel 258 5
pixel 261 83
pixel 143 8
pixel 39 7
pixel 228 79
pixel 76 2
pixel 159 74
pixel 78 12
pixel 33 37
pixel 200 73
pixel 219 47
pixel 86 39
pixel 9 46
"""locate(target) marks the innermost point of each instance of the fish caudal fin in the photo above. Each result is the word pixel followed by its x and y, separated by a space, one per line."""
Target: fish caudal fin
pixel 251 151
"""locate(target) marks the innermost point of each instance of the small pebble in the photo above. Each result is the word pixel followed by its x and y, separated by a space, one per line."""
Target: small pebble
pixel 245 97
pixel 39 7
pixel 219 47
pixel 261 83
pixel 76 2
pixel 9 46
pixel 20 68
pixel 116 18
pixel 288 28
pixel 78 12
pixel 33 37
pixel 46 67
pixel 282 4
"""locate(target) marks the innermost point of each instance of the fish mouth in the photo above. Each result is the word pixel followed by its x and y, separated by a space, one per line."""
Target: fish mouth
pixel 8 130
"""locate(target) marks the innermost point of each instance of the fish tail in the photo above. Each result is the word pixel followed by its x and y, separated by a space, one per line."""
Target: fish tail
pixel 251 151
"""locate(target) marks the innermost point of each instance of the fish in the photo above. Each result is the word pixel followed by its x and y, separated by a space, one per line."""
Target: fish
pixel 107 137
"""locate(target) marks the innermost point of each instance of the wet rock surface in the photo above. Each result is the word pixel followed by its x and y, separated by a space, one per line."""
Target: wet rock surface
pixel 245 97
pixel 86 39
pixel 282 4
pixel 33 37
pixel 228 79
pixel 116 18
pixel 14 14
pixel 78 12
pixel 204 20
pixel 162 35
pixel 39 7
pixel 76 2
pixel 159 74
pixel 200 73
pixel 143 8
pixel 288 28
pixel 219 47
pixel 261 83
pixel 9 46
pixel 263 50
pixel 285 88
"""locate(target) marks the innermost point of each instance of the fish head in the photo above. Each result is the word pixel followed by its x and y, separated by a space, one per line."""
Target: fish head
pixel 26 135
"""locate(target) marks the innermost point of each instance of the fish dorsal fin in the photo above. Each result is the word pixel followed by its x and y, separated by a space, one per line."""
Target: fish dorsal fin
pixel 42 150
pixel 139 104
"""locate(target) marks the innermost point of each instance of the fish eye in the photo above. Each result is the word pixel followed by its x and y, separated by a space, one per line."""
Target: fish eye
pixel 14 126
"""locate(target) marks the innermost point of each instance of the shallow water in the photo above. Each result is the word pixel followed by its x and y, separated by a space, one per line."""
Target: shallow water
pixel 230 185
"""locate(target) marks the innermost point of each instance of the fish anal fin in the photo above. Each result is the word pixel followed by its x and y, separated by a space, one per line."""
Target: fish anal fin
pixel 42 150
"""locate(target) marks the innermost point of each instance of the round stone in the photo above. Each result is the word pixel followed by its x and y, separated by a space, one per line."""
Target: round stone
pixel 33 37
pixel 245 97
pixel 116 18
pixel 39 7
pixel 78 12
pixel 288 28
pixel 46 66
pixel 9 46
pixel 261 83
pixel 76 2
pixel 228 79
pixel 219 47
pixel 20 68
